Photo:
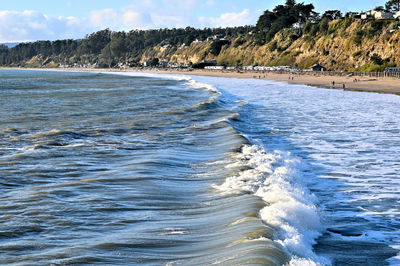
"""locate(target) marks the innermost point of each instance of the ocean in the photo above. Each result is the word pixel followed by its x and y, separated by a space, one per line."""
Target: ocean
pixel 134 168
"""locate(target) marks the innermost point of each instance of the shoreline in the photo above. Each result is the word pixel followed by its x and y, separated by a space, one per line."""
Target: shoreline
pixel 386 85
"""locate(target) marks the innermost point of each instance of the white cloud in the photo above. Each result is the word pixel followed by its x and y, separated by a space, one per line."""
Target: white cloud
pixel 103 18
pixel 230 19
pixel 119 20
pixel 34 25
pixel 144 14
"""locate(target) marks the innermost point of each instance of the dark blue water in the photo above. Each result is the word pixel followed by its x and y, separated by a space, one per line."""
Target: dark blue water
pixel 119 170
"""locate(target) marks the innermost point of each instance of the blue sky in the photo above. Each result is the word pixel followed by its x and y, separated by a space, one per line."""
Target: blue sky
pixel 27 20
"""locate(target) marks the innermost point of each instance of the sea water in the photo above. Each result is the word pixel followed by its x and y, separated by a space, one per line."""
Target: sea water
pixel 124 168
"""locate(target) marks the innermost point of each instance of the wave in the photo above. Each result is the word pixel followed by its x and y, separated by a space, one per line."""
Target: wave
pixel 189 81
pixel 275 177
pixel 290 208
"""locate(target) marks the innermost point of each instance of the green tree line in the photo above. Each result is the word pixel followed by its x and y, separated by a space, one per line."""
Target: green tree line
pixel 108 48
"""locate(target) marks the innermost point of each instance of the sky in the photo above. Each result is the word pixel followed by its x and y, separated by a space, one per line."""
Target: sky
pixel 27 20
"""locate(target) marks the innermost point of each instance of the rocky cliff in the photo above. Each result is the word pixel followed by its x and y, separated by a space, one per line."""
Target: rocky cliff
pixel 345 44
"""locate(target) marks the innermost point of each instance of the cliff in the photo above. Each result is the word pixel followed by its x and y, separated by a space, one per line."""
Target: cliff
pixel 342 45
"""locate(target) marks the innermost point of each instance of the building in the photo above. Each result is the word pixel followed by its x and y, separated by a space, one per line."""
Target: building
pixel 382 14
pixel 353 15
pixel 248 68
pixel 263 68
pixel 392 70
pixel 366 15
pixel 205 63
pixel 163 63
pixel 298 25
pixel 147 63
pixel 214 67
pixel 317 67
pixel 216 37
pixel 377 13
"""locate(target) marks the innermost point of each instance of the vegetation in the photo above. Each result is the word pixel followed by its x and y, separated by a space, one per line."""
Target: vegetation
pixel 332 14
pixel 282 16
pixel 393 5
pixel 377 59
pixel 106 48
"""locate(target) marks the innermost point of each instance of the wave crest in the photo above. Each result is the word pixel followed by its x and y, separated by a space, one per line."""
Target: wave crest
pixel 290 207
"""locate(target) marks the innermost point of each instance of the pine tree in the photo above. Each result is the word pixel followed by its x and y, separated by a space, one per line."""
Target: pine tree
pixel 393 5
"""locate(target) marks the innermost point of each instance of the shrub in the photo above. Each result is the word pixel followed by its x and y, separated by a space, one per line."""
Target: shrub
pixel 375 28
pixel 216 46
pixel 273 46
pixel 358 37
pixel 324 25
pixel 238 42
pixel 307 27
pixel 347 22
pixel 376 59
pixel 314 30
pixel 371 68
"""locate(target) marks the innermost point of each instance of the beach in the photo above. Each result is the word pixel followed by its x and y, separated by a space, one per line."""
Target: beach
pixel 378 85
pixel 388 85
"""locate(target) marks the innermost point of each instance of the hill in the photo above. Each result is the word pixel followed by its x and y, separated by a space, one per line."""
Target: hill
pixel 10 44
pixel 341 45
pixel 291 35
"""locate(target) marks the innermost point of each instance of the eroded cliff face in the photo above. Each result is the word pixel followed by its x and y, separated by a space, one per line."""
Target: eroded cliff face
pixel 345 44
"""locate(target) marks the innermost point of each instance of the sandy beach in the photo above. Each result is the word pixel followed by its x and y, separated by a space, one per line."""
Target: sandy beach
pixel 388 85
pixel 378 85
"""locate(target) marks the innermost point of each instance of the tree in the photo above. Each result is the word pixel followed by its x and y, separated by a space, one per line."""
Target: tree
pixel 154 62
pixel 333 14
pixel 95 42
pixel 117 44
pixel 290 2
pixel 282 16
pixel 393 5
pixel 106 57
pixel 216 46
pixel 3 54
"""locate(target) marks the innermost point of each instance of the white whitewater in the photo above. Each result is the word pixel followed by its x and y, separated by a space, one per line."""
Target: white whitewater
pixel 343 146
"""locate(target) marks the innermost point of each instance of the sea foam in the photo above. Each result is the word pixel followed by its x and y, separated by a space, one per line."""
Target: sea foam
pixel 290 208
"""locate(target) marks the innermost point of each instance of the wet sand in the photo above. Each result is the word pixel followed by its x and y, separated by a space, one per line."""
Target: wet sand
pixel 366 84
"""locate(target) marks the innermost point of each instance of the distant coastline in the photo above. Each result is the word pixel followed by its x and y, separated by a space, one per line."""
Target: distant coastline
pixel 387 85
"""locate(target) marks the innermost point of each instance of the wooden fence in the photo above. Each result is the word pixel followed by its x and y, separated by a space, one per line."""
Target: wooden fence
pixel 337 73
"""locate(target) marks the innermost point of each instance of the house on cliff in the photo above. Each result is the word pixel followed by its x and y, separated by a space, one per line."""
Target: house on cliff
pixel 378 13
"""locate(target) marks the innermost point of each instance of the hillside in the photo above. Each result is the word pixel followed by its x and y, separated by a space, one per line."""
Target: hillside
pixel 344 45
pixel 339 44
